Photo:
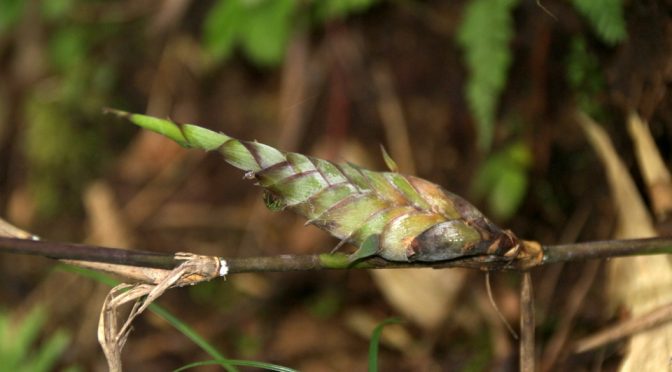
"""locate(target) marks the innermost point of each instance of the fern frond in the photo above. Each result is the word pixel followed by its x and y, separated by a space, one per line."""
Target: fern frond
pixel 485 34
pixel 398 217
pixel 606 18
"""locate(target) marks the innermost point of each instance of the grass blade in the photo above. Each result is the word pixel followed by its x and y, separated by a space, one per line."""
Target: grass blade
pixel 375 342
pixel 239 363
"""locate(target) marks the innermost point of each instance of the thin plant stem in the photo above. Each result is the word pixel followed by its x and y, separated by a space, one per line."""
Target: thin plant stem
pixel 606 249
pixel 549 254
pixel 527 325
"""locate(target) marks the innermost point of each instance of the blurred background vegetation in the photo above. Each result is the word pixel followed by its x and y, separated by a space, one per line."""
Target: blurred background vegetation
pixel 475 95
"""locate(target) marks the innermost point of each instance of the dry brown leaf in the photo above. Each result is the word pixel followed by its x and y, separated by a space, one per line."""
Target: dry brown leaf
pixel 652 166
pixel 112 334
pixel 9 230
pixel 634 219
pixel 21 206
pixel 424 296
pixel 392 116
pixel 640 283
pixel 106 221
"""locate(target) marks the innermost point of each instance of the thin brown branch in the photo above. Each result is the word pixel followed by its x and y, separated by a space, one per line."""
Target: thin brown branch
pixel 625 329
pixel 527 325
pixel 529 257
pixel 605 249
pixel 84 252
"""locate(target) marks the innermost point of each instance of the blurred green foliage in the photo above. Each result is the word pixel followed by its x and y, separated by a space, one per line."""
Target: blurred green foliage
pixel 262 28
pixel 67 115
pixel 217 294
pixel 10 14
pixel 54 9
pixel 485 34
pixel 325 10
pixel 325 304
pixel 19 348
pixel 248 344
pixel 68 48
pixel 65 139
pixel 585 77
pixel 61 154
pixel 479 350
pixel 65 143
pixel 503 180
pixel 605 17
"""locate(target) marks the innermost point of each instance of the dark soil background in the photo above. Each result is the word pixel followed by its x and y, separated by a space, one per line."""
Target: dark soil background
pixel 390 73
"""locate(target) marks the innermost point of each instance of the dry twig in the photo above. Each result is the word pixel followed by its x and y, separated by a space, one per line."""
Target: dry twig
pixel 532 255
pixel 625 329
pixel 527 325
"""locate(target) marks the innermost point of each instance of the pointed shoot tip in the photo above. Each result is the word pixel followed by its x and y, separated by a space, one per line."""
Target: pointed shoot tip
pixel 164 127
pixel 391 164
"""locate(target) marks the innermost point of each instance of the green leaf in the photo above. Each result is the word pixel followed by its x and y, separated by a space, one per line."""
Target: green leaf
pixel 266 31
pixel 326 10
pixel 68 47
pixel 55 10
pixel 375 342
pixel 222 27
pixel 508 192
pixel 503 180
pixel 18 343
pixel 5 337
pixel 49 353
pixel 62 153
pixel 334 260
pixel 261 28
pixel 10 12
pixel 605 17
pixel 585 77
pixel 28 332
pixel 485 33
pixel 368 248
pixel 186 330
pixel 325 304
